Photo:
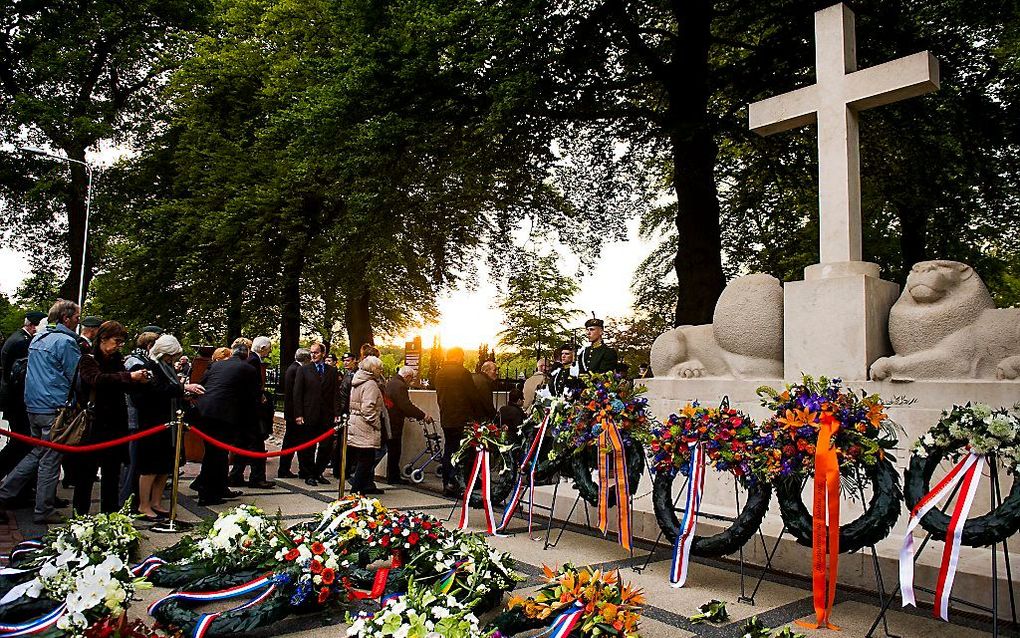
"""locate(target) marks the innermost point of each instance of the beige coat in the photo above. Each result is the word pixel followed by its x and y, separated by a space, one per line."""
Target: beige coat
pixel 365 423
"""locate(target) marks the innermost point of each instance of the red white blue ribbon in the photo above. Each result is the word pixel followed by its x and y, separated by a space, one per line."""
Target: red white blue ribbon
pixel 685 535
pixel 264 587
pixel 24 547
pixel 480 468
pixel 147 566
pixel 968 470
pixel 564 623
pixel 39 625
pixel 528 467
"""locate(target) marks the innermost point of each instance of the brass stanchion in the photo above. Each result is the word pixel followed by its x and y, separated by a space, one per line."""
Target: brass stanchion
pixel 172 525
pixel 343 457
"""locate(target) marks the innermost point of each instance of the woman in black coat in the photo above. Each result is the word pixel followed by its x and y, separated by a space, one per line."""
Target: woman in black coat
pixel 102 373
pixel 157 403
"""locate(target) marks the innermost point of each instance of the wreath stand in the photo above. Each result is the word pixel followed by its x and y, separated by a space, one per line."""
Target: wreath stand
pixel 996 500
pixel 566 522
pixel 715 517
pixel 884 598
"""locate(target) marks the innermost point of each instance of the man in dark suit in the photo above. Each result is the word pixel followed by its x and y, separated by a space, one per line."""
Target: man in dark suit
pixel 253 436
pixel 228 406
pixel 316 404
pixel 459 403
pixel 292 434
pixel 14 365
pixel 596 357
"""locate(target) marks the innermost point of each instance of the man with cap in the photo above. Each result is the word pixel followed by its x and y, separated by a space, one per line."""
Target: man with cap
pixel 153 328
pixel 596 357
pixel 89 328
pixel 565 376
pixel 13 368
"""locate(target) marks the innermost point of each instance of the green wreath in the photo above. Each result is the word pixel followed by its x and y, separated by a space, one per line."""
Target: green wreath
pixel 869 528
pixel 504 472
pixel 582 464
pixel 179 614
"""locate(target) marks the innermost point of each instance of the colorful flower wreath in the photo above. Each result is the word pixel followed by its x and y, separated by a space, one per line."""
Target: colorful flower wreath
pixel 314 564
pixel 605 398
pixel 726 434
pixel 420 613
pixel 785 444
pixel 609 606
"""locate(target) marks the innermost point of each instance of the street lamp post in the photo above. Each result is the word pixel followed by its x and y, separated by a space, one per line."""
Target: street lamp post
pixel 88 206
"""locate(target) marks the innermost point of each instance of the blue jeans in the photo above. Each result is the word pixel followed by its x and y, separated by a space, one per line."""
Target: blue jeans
pixel 43 463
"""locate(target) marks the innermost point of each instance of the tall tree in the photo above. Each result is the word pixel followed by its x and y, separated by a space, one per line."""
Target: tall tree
pixel 74 75
pixel 537 306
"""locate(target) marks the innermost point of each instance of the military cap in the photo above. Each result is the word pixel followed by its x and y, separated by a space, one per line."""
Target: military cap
pixel 35 317
pixel 594 322
pixel 91 321
pixel 347 355
pixel 155 329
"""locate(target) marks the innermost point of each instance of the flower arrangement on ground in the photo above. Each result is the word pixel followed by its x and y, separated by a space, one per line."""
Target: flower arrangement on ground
pixel 606 605
pixel 314 562
pixel 785 445
pixel 726 434
pixel 241 537
pixel 351 511
pixel 974 428
pixel 606 398
pixel 93 535
pixel 420 613
pixel 465 566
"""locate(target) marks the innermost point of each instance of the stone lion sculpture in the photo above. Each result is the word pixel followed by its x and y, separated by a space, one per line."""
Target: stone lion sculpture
pixel 946 326
pixel 744 340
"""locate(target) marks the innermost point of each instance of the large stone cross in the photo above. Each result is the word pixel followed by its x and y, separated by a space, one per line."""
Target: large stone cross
pixel 833 101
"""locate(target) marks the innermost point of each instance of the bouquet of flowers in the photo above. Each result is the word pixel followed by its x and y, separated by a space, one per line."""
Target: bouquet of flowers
pixel 605 398
pixel 243 536
pixel 93 535
pixel 420 613
pixel 983 429
pixel 609 607
pixel 314 564
pixel 121 627
pixel 726 434
pixel 483 435
pixel 409 532
pixel 785 444
pixel 465 566
pixel 90 590
pixel 349 512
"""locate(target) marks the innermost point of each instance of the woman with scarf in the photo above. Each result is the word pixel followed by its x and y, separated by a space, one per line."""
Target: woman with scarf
pixel 157 403
pixel 103 384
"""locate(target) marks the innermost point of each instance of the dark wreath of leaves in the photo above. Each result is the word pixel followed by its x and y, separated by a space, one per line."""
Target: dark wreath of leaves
pixel 994 527
pixel 504 474
pixel 180 614
pixel 869 528
pixel 582 464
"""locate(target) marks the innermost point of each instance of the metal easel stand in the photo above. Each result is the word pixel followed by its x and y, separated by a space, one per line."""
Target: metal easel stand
pixel 996 500
pixel 769 556
pixel 173 525
pixel 658 539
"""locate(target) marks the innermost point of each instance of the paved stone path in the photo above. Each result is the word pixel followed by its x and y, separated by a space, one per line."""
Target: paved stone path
pixel 780 600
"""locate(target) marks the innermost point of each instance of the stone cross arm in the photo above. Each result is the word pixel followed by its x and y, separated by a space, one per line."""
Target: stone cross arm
pixel 886 83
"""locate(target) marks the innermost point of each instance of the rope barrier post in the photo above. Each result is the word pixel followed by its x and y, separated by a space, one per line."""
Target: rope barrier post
pixel 172 526
pixel 343 457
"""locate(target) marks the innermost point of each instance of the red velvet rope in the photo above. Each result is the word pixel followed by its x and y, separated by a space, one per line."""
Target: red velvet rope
pixel 261 455
pixel 92 447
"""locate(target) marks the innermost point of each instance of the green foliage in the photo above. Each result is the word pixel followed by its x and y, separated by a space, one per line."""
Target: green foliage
pixel 537 306
pixel 633 336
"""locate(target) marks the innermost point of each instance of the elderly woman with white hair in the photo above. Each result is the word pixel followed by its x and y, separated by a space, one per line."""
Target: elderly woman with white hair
pixel 157 403
pixel 364 435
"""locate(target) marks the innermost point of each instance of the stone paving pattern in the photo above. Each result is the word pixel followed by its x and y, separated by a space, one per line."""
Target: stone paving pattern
pixel 780 601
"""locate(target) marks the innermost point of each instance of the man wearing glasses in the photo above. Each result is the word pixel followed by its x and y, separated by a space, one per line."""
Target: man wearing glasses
pixel 596 357
pixel 316 406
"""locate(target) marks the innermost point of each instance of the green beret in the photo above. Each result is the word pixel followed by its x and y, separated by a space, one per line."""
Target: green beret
pixel 91 322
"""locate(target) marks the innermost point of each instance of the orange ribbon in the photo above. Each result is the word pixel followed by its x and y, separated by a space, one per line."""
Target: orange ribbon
pixel 610 438
pixel 824 576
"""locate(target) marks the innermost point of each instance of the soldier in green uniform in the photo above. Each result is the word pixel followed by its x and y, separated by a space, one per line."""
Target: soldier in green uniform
pixel 596 357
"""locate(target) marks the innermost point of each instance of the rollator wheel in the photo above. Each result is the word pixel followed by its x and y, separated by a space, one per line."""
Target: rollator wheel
pixel 407 471
pixel 417 476
pixel 439 471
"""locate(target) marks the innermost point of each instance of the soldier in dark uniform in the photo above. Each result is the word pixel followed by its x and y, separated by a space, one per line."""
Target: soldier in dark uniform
pixel 14 365
pixel 565 376
pixel 596 357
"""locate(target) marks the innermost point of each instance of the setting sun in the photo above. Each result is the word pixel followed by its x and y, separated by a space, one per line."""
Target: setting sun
pixel 467 319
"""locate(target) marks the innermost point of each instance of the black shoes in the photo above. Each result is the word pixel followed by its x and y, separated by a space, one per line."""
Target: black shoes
pixel 321 480
pixel 262 485
pixel 205 502
pixel 236 481
pixel 312 482
pixel 286 475
pixel 233 494
pixel 373 491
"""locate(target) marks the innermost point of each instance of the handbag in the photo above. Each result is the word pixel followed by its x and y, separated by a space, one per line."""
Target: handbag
pixel 73 422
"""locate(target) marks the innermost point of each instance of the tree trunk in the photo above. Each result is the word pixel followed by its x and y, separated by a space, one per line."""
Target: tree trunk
pixel 290 302
pixel 358 319
pixel 698 260
pixel 76 221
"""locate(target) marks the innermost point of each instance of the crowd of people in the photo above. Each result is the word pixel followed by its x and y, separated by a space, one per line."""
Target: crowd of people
pixel 46 371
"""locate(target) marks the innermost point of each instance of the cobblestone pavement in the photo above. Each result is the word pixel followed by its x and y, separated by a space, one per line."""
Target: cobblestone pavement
pixel 779 601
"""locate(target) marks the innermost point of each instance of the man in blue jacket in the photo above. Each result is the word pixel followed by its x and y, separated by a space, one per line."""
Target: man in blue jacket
pixel 53 358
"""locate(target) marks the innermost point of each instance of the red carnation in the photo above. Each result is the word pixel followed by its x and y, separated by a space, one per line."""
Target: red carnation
pixel 413 538
pixel 316 567
pixel 328 576
pixel 292 554
pixel 426 525
pixel 323 595
pixel 318 548
pixel 385 541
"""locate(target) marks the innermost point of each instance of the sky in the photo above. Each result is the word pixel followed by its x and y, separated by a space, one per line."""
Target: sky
pixel 471 317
